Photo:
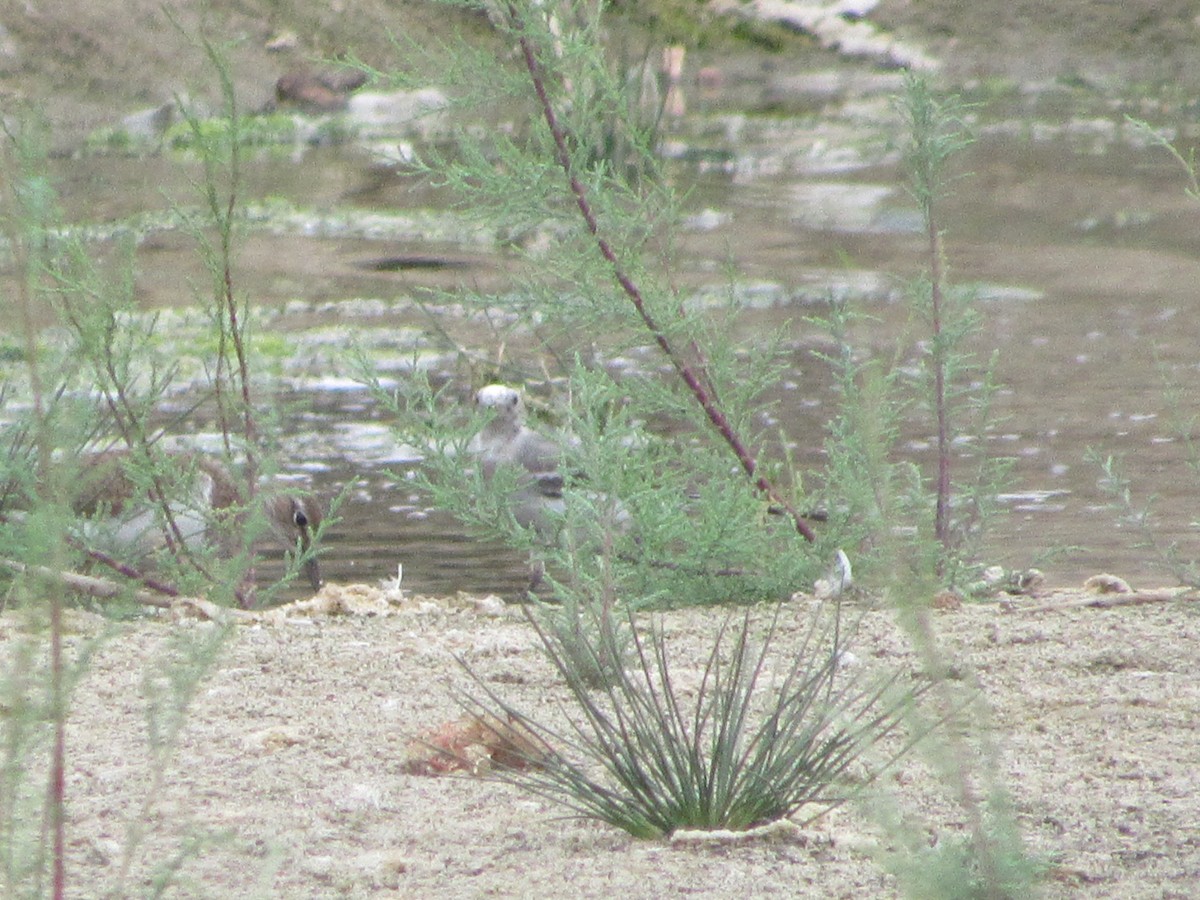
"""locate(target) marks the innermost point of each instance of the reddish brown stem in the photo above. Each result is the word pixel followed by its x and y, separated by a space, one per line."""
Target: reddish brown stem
pixel 229 302
pixel 239 349
pixel 227 308
pixel 130 572
pixel 691 377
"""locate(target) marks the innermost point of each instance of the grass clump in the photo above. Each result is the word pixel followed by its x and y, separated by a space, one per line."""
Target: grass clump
pixel 767 732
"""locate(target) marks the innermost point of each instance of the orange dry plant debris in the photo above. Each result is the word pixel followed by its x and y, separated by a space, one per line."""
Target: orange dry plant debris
pixel 476 743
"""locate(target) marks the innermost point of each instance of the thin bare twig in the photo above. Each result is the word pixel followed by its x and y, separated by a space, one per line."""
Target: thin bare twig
pixel 131 573
pixel 232 327
pixel 100 588
pixel 1110 601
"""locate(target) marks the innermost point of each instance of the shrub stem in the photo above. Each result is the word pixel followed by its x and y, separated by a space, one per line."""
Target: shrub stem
pixel 691 377
pixel 941 525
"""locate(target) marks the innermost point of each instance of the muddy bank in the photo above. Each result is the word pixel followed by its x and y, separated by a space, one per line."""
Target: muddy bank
pixel 1114 46
pixel 70 62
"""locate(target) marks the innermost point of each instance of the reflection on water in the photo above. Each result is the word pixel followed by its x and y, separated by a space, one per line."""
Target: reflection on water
pixel 1087 264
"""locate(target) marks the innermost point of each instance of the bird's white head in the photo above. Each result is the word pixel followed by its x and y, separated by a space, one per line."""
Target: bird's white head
pixel 502 401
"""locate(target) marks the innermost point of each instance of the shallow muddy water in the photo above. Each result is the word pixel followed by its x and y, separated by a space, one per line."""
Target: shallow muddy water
pixel 1081 239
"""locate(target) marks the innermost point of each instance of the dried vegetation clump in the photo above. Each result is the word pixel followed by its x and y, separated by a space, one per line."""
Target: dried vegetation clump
pixel 477 744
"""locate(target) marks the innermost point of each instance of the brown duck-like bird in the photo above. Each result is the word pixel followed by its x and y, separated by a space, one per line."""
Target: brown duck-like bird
pixel 206 505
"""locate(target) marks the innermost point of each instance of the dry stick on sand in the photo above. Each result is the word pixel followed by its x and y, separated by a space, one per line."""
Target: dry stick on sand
pixel 102 593
pixel 103 589
pixel 1108 601
pixel 159 587
pixel 692 376
pixel 100 588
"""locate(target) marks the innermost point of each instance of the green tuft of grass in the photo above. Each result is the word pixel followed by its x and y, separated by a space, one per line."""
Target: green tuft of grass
pixel 764 735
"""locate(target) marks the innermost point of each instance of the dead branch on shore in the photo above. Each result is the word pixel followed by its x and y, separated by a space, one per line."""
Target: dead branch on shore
pixel 103 589
pixel 100 588
pixel 1110 601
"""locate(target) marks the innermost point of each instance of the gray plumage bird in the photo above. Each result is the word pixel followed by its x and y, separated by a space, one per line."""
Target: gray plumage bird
pixel 505 440
pixel 537 501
